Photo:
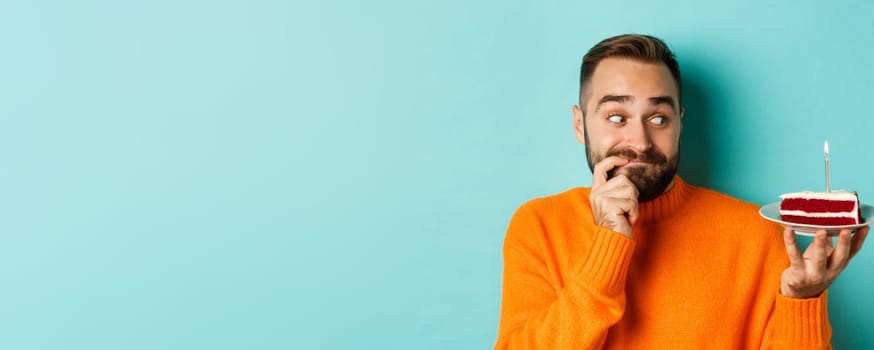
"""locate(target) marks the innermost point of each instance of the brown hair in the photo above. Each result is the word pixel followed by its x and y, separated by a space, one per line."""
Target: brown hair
pixel 635 46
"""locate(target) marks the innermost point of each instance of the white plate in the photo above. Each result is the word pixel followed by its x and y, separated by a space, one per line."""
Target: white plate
pixel 772 212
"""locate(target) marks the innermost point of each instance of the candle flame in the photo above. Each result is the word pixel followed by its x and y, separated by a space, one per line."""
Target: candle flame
pixel 825 148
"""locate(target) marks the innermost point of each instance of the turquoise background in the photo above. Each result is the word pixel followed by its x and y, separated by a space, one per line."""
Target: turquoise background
pixel 340 174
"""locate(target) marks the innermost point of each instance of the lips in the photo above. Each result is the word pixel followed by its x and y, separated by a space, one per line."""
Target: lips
pixel 632 162
pixel 649 156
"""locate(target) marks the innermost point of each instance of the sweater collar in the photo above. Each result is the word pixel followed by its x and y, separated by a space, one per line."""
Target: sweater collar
pixel 665 204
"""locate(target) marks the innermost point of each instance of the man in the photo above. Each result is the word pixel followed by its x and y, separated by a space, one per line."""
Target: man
pixel 642 259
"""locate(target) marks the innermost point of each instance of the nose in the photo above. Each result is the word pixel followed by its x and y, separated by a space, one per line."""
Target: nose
pixel 637 137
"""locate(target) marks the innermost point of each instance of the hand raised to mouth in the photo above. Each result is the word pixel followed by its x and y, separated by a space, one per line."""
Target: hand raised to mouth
pixel 614 201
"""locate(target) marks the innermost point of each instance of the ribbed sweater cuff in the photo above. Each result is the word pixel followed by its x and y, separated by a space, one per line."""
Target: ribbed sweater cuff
pixel 606 265
pixel 802 321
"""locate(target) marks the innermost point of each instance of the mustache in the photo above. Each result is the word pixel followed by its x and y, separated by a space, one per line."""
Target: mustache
pixel 648 156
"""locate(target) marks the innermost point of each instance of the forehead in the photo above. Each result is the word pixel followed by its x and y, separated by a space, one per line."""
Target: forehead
pixel 624 76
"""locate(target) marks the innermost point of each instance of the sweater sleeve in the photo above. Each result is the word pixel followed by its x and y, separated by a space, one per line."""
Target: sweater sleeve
pixel 799 324
pixel 545 309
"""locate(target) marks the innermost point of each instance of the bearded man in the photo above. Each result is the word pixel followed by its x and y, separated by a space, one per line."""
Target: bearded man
pixel 641 259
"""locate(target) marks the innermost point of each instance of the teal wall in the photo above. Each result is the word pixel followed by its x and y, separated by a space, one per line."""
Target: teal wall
pixel 335 175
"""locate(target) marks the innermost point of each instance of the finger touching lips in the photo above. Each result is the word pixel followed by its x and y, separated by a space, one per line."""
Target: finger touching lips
pixel 599 176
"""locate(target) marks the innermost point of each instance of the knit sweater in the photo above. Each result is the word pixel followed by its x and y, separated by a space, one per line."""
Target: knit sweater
pixel 702 272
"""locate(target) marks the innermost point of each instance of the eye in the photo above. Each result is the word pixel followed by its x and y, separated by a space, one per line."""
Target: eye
pixel 615 118
pixel 659 120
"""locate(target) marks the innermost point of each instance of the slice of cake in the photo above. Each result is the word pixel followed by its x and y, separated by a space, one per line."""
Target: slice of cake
pixel 834 208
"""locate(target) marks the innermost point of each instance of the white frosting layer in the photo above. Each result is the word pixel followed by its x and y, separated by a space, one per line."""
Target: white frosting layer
pixel 839 195
pixel 851 215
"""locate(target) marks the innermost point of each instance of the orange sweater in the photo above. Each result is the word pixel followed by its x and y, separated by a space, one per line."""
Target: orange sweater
pixel 702 272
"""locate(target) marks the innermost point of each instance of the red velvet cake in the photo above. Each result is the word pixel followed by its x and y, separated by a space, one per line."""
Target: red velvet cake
pixel 836 208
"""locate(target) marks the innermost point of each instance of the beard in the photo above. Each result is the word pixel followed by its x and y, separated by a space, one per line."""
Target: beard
pixel 651 180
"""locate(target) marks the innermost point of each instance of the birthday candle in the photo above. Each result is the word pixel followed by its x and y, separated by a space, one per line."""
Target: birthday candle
pixel 828 187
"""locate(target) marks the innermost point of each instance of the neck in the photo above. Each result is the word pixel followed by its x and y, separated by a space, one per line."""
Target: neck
pixel 666 203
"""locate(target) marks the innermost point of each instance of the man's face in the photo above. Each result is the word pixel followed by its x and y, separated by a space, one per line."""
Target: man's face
pixel 632 111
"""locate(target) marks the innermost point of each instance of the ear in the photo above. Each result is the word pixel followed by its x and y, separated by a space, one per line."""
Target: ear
pixel 578 125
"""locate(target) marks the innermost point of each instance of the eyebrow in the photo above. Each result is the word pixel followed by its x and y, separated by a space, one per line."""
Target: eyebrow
pixel 656 100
